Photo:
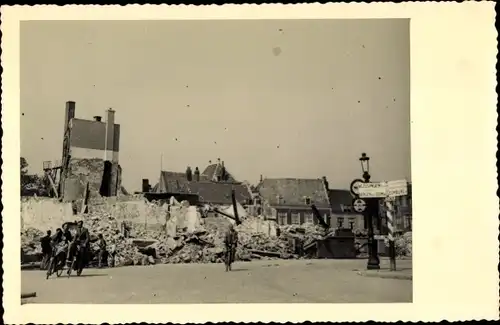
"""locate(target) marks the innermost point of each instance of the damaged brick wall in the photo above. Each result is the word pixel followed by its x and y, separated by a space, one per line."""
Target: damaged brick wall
pixel 81 171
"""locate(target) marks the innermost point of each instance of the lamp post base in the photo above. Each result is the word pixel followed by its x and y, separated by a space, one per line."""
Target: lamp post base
pixel 373 263
pixel 373 260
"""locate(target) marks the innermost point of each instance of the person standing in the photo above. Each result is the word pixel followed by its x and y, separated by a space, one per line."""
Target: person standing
pixel 46 250
pixel 101 254
pixel 112 251
pixel 231 242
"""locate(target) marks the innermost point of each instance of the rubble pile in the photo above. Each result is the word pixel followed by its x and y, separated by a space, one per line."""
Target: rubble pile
pixel 31 249
pixel 307 233
pixel 171 238
pixel 403 245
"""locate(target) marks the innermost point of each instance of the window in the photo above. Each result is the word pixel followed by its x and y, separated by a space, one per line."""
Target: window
pixel 352 222
pixel 309 218
pixel 408 222
pixel 308 200
pixel 282 218
pixel 404 201
pixel 346 208
pixel 326 217
pixel 295 219
pixel 340 222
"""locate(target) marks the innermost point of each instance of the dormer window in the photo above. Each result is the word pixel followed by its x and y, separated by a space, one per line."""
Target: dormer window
pixel 307 200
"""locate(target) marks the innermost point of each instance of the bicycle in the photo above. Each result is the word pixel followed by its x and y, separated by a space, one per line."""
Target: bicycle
pixel 56 263
pixel 78 262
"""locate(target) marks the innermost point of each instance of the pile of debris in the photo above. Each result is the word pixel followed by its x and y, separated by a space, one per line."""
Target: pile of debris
pixel 31 250
pixel 135 245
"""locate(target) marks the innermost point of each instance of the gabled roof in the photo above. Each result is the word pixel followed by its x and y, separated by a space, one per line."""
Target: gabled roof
pixel 208 191
pixel 293 191
pixel 172 182
pixel 219 193
pixel 214 170
pixel 339 198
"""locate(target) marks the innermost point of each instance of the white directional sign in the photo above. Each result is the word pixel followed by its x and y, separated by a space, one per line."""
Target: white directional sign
pixel 359 205
pixel 373 190
pixel 397 188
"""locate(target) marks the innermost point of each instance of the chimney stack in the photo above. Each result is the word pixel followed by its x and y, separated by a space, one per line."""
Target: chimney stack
pixel 261 178
pixel 69 113
pixel 218 160
pixel 145 185
pixel 196 174
pixel 189 174
pixel 110 134
pixel 325 181
pixel 209 162
pixel 97 118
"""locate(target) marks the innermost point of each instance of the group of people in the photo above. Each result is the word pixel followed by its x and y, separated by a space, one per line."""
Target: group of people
pixel 63 240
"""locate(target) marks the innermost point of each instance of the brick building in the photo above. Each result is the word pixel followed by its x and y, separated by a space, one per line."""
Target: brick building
pixel 90 154
pixel 290 199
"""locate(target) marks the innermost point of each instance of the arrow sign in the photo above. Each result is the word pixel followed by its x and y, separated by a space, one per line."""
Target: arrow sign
pixel 397 188
pixel 359 205
pixel 373 190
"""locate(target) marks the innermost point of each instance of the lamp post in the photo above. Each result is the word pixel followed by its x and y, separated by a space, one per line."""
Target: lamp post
pixel 373 260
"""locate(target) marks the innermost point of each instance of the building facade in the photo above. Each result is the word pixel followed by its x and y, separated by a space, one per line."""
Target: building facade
pixel 90 155
pixel 343 214
pixel 91 139
pixel 289 200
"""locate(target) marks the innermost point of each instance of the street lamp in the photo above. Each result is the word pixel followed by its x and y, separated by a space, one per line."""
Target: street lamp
pixel 365 166
pixel 373 260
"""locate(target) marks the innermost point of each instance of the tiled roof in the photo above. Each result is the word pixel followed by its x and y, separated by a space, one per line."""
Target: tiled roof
pixel 339 198
pixel 219 193
pixel 209 172
pixel 173 182
pixel 293 191
pixel 214 170
pixel 208 191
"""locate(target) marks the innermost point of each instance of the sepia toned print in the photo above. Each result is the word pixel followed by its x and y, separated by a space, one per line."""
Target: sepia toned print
pixel 249 163
pixel 189 145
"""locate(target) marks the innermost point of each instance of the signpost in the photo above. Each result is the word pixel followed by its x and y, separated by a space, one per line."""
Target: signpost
pixel 359 205
pixel 373 190
pixel 388 191
pixel 397 188
pixel 355 184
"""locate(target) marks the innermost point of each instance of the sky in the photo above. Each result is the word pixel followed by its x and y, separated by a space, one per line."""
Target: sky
pixel 278 98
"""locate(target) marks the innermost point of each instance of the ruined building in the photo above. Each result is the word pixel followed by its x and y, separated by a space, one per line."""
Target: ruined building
pixel 90 155
pixel 212 186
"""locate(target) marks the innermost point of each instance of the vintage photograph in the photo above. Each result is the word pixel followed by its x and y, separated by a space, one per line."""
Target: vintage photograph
pixel 215 161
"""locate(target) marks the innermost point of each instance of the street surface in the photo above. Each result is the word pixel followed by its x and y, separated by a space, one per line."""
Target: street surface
pixel 283 281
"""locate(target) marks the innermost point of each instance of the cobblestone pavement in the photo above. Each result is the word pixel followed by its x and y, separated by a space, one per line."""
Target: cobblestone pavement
pixel 283 281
